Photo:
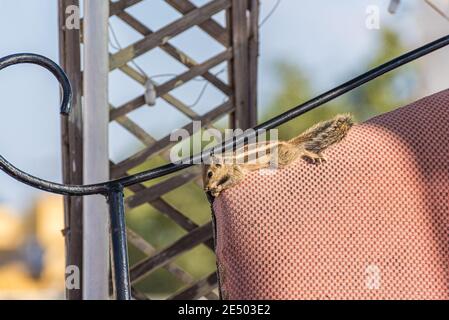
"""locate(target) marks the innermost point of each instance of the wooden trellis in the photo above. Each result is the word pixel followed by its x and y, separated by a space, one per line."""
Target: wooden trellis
pixel 238 38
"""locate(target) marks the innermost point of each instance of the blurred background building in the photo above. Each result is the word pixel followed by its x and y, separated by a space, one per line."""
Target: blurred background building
pixel 307 47
pixel 32 251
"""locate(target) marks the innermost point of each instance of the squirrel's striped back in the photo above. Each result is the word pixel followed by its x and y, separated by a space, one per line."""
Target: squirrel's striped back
pixel 324 134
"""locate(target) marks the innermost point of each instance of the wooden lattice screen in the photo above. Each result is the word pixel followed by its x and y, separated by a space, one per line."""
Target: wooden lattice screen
pixel 238 37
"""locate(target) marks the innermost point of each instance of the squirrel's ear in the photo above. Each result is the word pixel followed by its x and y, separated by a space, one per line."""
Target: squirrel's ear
pixel 216 160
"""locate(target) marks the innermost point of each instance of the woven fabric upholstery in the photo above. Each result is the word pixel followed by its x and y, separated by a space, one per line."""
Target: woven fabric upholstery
pixel 371 223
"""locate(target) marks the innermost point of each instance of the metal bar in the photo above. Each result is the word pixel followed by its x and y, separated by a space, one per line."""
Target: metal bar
pixel 50 66
pixel 114 189
pixel 102 188
pixel 293 113
pixel 122 167
pixel 120 264
pixel 154 192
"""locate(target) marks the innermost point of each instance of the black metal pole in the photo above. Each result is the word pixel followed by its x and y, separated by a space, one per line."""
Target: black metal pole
pixel 103 188
pixel 113 190
pixel 120 264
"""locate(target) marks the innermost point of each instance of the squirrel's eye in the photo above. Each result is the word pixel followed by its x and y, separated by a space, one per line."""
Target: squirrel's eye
pixel 218 165
pixel 210 174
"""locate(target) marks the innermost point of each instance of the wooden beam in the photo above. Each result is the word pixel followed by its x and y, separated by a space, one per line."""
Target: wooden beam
pixel 115 8
pixel 137 295
pixel 122 167
pixel 165 88
pixel 230 66
pixel 198 290
pixel 173 101
pixel 72 144
pixel 241 117
pixel 160 37
pixel 178 217
pixel 210 26
pixel 118 112
pixel 141 244
pixel 167 209
pixel 175 52
pixel 127 107
pixel 156 191
pixel 253 47
pixel 185 243
pixel 120 6
pixel 195 71
pixel 135 130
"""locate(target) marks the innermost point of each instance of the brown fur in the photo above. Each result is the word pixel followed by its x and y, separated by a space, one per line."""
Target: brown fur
pixel 221 175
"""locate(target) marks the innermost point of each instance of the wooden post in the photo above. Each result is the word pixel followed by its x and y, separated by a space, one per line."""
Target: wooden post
pixel 253 47
pixel 243 72
pixel 96 155
pixel 240 37
pixel 72 144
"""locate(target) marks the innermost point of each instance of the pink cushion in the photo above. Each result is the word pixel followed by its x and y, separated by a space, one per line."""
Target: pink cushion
pixel 371 223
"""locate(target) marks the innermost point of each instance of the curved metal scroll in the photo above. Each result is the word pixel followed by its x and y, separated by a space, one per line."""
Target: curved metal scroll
pixel 103 188
pixel 113 190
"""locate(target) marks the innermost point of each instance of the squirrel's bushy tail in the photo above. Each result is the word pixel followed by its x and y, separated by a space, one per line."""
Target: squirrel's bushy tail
pixel 325 134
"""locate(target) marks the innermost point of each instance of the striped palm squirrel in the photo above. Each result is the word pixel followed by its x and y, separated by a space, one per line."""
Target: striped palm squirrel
pixel 227 171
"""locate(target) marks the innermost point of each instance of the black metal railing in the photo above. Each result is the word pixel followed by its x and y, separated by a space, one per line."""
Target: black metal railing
pixel 113 190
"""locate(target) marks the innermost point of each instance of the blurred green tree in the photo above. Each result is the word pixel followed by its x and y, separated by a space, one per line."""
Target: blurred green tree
pixel 378 96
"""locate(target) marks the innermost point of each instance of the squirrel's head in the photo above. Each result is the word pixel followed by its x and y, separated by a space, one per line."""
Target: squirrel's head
pixel 215 174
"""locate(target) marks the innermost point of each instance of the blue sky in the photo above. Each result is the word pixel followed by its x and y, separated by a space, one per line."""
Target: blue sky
pixel 328 39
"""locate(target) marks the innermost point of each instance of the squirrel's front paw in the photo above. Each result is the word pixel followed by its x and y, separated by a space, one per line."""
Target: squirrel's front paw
pixel 314 157
pixel 215 190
